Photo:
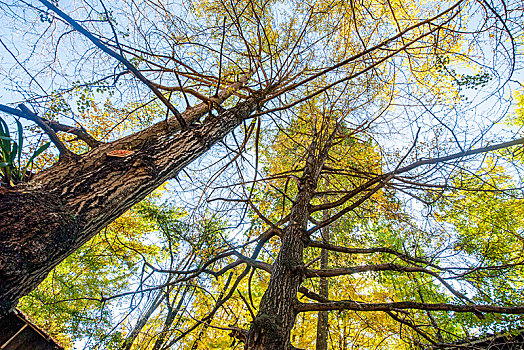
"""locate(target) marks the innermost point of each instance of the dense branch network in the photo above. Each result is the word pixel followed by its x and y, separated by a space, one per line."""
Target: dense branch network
pixel 315 97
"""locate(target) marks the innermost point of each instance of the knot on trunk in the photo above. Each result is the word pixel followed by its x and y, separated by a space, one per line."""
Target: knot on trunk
pixel 264 323
pixel 301 271
pixel 238 333
pixel 35 234
pixel 265 332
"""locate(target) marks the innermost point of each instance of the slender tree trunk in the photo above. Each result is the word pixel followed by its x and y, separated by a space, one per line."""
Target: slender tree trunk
pixel 142 321
pixel 44 221
pixel 271 329
pixel 170 317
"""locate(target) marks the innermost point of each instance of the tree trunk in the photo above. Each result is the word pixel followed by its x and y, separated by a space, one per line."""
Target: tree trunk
pixel 322 322
pixel 170 317
pixel 142 321
pixel 271 328
pixel 61 208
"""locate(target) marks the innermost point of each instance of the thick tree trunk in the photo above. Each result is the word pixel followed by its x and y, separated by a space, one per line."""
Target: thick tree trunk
pixel 44 221
pixel 322 322
pixel 271 328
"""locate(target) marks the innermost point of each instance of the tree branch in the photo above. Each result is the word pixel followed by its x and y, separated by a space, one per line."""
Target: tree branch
pixel 78 132
pixel 405 305
pixel 118 57
pixel 382 267
pixel 25 113
pixel 341 249
pixel 28 114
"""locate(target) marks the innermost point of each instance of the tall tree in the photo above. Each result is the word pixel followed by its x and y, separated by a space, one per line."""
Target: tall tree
pixel 269 62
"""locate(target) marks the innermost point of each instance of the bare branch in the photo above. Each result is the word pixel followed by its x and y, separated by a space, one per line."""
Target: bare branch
pixel 407 305
pixel 118 57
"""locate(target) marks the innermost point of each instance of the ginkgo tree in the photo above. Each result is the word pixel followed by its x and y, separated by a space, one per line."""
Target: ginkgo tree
pixel 390 274
pixel 413 80
pixel 383 261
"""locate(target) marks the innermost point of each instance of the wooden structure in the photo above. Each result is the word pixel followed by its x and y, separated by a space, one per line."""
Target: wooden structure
pixel 17 332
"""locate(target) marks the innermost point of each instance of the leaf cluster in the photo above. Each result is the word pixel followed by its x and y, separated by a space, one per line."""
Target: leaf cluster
pixel 12 167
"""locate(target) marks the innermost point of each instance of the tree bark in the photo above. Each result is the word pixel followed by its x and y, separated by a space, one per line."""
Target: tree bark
pixel 271 328
pixel 61 208
pixel 322 322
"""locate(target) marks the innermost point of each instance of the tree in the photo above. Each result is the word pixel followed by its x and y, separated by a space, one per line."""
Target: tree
pixel 55 228
pixel 279 306
pixel 358 61
pixel 104 266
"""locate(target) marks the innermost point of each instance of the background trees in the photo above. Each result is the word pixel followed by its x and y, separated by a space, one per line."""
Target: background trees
pixel 370 120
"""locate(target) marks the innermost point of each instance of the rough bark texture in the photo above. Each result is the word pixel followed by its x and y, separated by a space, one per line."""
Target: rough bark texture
pixel 322 322
pixel 34 228
pixel 64 206
pixel 271 328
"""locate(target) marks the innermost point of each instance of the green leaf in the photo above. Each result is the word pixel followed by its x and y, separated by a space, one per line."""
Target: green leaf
pixel 35 154
pixel 4 130
pixel 39 151
pixel 5 143
pixel 13 153
pixel 20 140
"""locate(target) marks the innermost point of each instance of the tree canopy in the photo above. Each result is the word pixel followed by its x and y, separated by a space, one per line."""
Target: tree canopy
pixel 262 174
